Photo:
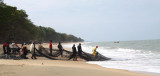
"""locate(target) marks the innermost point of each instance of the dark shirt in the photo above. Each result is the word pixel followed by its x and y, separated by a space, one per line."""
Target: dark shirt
pixel 8 48
pixel 60 47
pixel 79 49
pixel 74 49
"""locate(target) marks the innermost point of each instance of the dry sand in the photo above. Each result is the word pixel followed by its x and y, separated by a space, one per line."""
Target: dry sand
pixel 57 68
pixel 45 67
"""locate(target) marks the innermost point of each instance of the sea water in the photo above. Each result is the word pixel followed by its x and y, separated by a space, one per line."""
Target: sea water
pixel 140 55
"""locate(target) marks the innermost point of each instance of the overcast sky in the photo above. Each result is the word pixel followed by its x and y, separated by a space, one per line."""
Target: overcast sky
pixel 96 20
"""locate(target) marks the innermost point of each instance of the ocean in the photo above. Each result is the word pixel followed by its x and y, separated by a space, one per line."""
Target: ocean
pixel 140 55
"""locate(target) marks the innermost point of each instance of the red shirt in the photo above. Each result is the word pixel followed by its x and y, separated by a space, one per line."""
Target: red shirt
pixel 24 50
pixel 5 44
pixel 50 45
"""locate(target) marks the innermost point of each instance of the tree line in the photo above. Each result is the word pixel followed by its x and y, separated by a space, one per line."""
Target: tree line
pixel 15 26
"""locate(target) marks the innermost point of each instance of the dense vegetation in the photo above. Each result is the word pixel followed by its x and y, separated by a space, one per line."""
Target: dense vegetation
pixel 15 25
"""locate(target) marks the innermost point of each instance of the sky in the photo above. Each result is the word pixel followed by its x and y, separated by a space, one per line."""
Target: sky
pixel 96 20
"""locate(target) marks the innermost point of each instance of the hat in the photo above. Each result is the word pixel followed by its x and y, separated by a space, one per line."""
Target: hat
pixel 96 46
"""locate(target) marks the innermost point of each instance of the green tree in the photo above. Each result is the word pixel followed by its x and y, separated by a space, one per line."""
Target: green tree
pixel 16 26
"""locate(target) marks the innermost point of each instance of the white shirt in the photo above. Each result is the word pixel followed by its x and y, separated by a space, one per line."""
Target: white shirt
pixel 14 45
pixel 31 48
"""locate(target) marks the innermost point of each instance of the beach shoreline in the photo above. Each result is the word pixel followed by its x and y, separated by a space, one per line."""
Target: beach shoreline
pixel 42 66
pixel 50 67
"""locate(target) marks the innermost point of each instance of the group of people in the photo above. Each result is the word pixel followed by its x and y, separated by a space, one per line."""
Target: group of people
pixel 74 51
pixel 13 49
pixel 59 47
pixel 80 52
pixel 74 55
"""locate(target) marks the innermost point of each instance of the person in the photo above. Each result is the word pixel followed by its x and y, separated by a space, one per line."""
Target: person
pixel 60 49
pixel 25 51
pixel 13 45
pixel 8 50
pixel 94 51
pixel 79 49
pixel 50 47
pixel 4 48
pixel 22 46
pixel 74 53
pixel 17 49
pixel 80 52
pixel 32 49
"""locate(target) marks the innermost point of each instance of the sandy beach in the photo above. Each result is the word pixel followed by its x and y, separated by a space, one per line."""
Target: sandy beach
pixel 46 67
pixel 57 68
pixel 118 38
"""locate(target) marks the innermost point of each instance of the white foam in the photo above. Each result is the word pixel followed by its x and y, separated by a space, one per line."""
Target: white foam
pixel 129 59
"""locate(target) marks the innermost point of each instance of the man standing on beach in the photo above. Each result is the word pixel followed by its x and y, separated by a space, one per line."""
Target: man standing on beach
pixel 25 51
pixel 50 47
pixel 8 50
pixel 13 48
pixel 32 49
pixel 4 47
pixel 60 49
pixel 74 53
pixel 79 50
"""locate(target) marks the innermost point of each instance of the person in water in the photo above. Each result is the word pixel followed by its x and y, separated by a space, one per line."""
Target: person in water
pixel 74 53
pixel 60 49
pixel 95 53
pixel 50 47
